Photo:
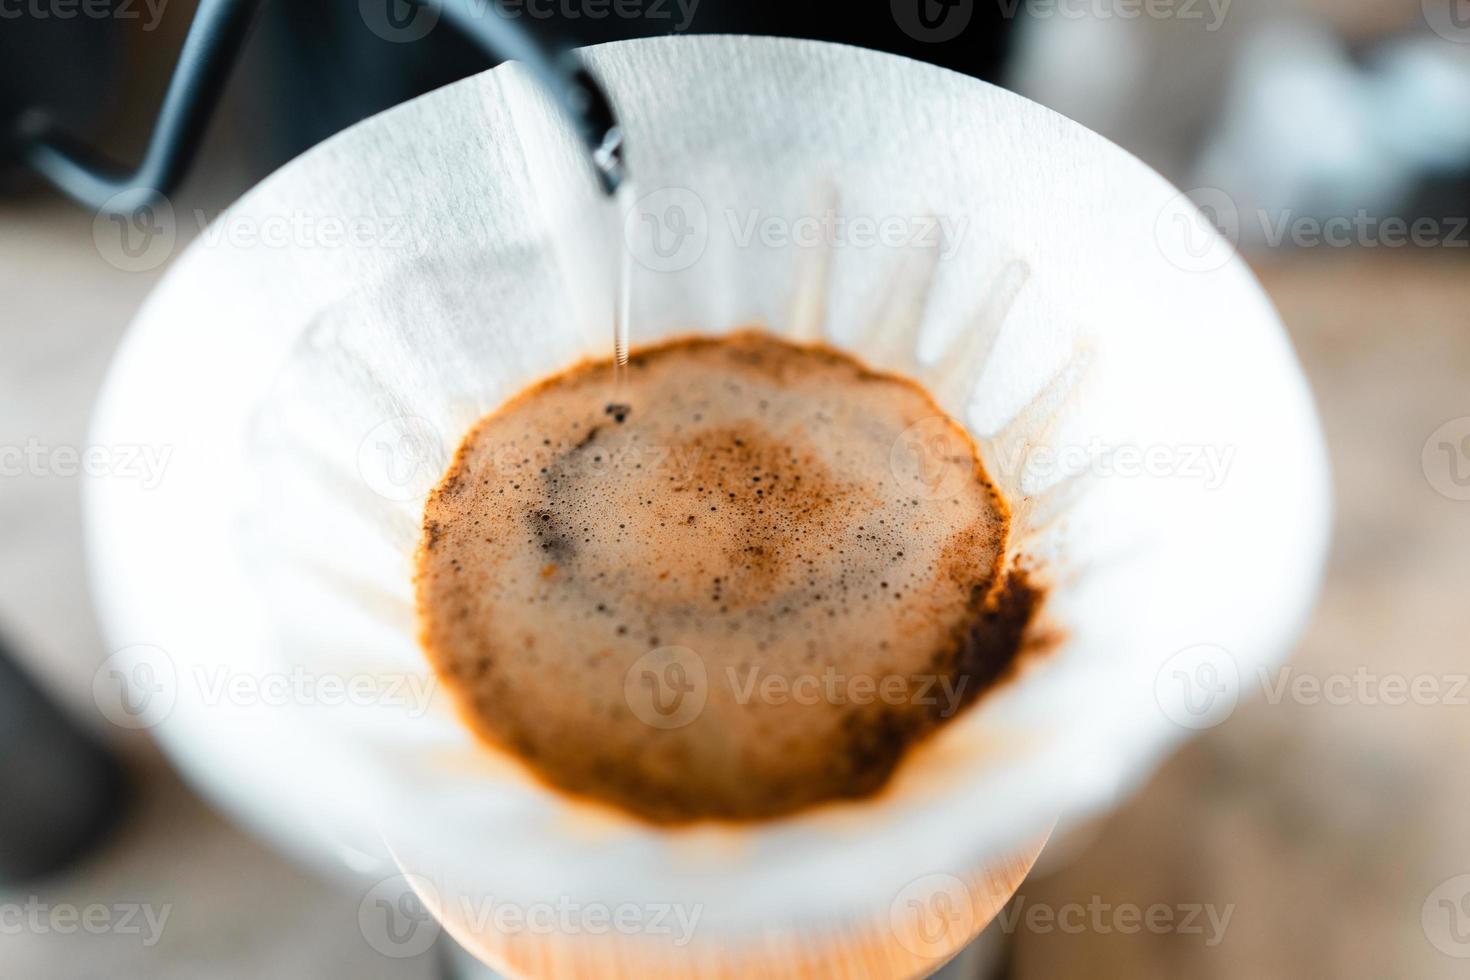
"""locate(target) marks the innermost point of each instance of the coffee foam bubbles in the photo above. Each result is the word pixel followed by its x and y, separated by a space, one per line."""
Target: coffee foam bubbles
pixel 731 604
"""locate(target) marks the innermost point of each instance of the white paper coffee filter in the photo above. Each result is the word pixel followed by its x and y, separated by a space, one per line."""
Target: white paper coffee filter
pixel 1131 388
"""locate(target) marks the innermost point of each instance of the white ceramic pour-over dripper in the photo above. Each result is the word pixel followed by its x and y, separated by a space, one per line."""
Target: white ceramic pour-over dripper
pixel 1129 384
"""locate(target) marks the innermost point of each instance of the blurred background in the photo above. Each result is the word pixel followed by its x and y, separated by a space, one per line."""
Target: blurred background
pixel 1317 832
